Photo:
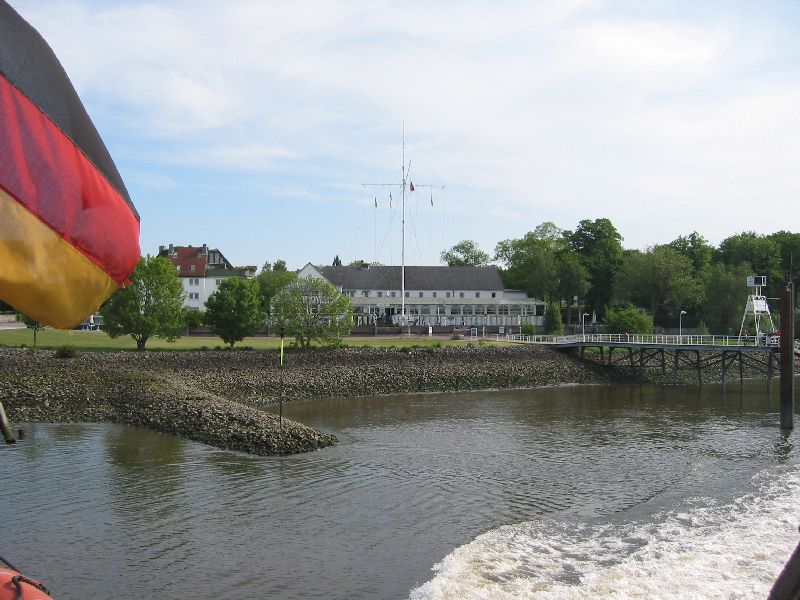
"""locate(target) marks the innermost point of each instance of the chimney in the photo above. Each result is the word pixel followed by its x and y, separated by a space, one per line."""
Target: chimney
pixel 171 251
pixel 161 250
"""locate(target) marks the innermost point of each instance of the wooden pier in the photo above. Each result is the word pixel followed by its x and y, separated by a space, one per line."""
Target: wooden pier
pixel 729 356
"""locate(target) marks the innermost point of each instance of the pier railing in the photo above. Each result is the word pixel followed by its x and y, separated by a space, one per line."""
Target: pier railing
pixel 645 339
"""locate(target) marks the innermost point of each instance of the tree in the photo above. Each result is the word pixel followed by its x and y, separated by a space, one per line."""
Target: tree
pixel 627 319
pixel 32 324
pixel 235 310
pixel 552 319
pixel 789 252
pixel 573 278
pixel 312 310
pixel 531 263
pixel 696 249
pixel 725 294
pixel 151 306
pixel 761 253
pixel 279 265
pixel 657 278
pixel 271 280
pixel 465 254
pixel 337 262
pixel 599 245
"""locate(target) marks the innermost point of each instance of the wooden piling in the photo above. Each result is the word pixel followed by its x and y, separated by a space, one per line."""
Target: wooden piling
pixel 741 371
pixel 787 356
pixel 8 434
pixel 675 368
pixel 769 372
pixel 699 369
pixel 724 369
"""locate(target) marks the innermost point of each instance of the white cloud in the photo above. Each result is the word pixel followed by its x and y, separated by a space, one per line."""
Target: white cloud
pixel 667 117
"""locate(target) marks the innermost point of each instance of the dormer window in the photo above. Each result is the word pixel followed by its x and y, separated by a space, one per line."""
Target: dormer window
pixel 192 267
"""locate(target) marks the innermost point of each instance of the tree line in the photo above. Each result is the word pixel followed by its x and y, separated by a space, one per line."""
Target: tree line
pixel 687 274
pixel 309 310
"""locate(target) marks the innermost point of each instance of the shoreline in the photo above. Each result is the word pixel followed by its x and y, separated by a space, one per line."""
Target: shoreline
pixel 217 398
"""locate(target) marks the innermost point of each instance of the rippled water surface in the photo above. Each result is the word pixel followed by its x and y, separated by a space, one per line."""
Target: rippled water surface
pixel 100 511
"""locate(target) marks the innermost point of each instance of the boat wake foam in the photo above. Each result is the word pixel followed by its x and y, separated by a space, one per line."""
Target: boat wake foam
pixel 703 550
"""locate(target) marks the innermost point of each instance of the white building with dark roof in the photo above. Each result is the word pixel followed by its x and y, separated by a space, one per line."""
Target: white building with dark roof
pixel 201 271
pixel 442 296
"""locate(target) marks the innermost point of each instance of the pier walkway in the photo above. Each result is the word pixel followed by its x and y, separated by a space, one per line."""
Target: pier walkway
pixel 696 352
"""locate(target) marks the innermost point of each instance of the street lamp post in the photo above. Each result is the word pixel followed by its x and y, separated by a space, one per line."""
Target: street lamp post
pixel 583 323
pixel 680 324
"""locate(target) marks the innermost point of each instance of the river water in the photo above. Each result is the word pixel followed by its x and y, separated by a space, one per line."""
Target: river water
pixel 551 493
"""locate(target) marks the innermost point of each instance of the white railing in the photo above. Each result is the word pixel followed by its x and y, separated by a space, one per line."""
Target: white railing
pixel 637 338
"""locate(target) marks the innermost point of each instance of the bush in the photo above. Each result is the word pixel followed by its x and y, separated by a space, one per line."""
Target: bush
pixel 527 329
pixel 67 352
pixel 194 318
pixel 628 319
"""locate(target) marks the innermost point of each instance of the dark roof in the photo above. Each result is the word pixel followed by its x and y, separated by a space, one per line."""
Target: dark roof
pixel 184 257
pixel 417 278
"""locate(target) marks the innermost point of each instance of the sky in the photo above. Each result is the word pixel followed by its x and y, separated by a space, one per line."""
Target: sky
pixel 252 126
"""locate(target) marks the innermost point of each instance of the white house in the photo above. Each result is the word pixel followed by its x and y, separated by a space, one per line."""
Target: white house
pixel 459 296
pixel 201 271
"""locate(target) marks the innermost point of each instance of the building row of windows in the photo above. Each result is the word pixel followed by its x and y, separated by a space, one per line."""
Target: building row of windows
pixel 380 294
pixel 196 281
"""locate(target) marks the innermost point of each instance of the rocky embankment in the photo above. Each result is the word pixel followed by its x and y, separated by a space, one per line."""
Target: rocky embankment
pixel 213 396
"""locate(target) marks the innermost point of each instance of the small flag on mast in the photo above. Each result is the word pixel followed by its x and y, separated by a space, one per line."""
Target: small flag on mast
pixel 376 202
pixel 431 198
pixel 390 199
pixel 412 186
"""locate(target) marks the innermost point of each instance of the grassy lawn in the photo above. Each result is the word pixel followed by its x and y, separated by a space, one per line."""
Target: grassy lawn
pixel 101 342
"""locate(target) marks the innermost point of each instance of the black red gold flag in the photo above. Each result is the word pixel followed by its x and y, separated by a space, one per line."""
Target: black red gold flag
pixel 69 233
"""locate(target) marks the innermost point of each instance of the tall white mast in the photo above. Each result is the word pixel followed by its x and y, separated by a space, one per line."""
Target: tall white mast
pixel 403 224
pixel 403 238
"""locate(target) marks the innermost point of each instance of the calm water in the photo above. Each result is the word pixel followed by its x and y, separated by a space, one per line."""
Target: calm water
pixel 552 493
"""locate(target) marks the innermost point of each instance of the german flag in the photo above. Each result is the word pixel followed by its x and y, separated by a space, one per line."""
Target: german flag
pixel 69 233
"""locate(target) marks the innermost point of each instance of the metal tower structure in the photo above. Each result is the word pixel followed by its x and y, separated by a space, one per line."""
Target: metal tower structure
pixel 757 307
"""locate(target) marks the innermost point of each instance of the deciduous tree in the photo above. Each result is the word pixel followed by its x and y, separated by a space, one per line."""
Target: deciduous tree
pixel 151 306
pixel 33 325
pixel 312 311
pixel 235 310
pixel 272 279
pixel 599 245
pixel 465 254
pixel 725 296
pixel 658 277
pixel 695 247
pixel 531 262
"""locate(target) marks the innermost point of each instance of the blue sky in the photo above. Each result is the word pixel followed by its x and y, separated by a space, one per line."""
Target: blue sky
pixel 251 125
